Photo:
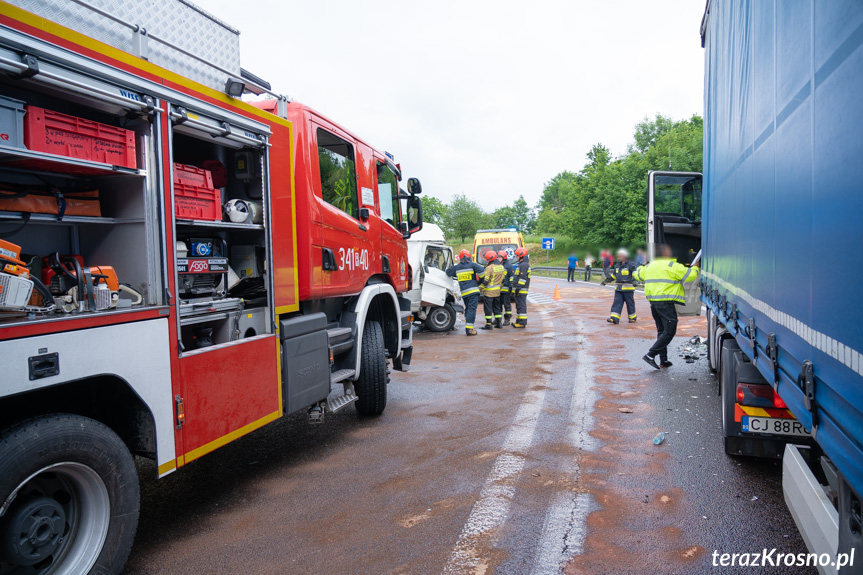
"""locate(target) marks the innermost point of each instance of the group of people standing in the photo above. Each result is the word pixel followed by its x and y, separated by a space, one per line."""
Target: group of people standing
pixel 499 283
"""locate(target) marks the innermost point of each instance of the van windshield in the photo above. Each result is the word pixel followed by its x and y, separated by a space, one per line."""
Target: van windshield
pixel 437 257
pixel 510 251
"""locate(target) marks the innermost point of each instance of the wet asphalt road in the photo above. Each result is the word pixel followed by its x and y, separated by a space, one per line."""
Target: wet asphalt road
pixel 502 453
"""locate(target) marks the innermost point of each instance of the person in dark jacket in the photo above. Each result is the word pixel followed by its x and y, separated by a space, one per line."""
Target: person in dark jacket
pixel 506 286
pixel 521 285
pixel 468 274
pixel 622 275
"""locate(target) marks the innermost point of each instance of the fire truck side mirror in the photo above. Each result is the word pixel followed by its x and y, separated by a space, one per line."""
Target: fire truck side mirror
pixel 414 215
pixel 414 187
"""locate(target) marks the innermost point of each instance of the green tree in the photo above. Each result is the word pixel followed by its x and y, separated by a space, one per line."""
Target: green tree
pixel 434 210
pixel 524 218
pixel 549 221
pixel 606 202
pixel 502 217
pixel 464 217
pixel 553 192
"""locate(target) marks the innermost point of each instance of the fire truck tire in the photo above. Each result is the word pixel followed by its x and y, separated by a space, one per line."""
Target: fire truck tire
pixel 75 497
pixel 441 318
pixel 371 385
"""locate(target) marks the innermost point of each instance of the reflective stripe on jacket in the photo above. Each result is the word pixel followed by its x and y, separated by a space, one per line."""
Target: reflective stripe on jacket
pixel 467 273
pixel 494 274
pixel 622 274
pixel 507 279
pixel 521 279
pixel 663 279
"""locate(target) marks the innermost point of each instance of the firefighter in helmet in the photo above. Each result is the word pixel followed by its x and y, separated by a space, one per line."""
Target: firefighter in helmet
pixel 622 274
pixel 490 288
pixel 505 287
pixel 520 286
pixel 468 274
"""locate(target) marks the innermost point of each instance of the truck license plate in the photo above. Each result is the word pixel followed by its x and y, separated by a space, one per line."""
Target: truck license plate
pixel 774 425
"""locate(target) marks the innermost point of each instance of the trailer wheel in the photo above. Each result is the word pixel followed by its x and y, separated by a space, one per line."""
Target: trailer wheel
pixel 711 341
pixel 371 385
pixel 68 497
pixel 441 318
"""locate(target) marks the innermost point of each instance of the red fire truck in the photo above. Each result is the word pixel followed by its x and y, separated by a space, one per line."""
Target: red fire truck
pixel 178 267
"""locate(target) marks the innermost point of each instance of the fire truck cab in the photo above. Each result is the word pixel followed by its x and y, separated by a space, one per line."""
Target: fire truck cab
pixel 178 266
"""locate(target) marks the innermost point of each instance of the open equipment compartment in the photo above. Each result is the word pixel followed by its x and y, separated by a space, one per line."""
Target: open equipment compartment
pixel 60 197
pixel 220 191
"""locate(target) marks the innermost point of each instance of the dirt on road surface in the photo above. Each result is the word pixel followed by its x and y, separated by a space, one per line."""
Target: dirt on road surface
pixel 517 451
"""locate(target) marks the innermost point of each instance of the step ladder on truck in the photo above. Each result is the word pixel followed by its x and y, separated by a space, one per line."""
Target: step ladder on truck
pixel 178 266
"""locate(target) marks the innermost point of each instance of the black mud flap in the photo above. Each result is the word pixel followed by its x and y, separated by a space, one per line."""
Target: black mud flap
pixel 402 361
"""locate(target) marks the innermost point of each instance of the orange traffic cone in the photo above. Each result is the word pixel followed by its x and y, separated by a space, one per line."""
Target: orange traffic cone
pixel 556 293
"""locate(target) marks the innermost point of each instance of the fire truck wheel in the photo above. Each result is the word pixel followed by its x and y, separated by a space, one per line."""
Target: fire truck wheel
pixel 72 492
pixel 371 385
pixel 441 318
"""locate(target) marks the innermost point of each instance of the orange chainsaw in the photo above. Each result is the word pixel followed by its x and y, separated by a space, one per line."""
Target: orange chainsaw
pixel 78 288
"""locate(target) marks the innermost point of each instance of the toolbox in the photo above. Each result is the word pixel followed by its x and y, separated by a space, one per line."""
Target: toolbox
pixel 55 133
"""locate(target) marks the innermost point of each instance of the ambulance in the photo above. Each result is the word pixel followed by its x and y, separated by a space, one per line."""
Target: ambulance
pixel 508 239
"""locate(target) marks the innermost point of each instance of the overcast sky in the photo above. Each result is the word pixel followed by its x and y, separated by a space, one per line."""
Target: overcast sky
pixel 490 99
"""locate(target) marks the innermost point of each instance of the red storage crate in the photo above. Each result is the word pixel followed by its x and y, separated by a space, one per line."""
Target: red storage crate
pixel 192 176
pixel 196 203
pixel 194 195
pixel 56 133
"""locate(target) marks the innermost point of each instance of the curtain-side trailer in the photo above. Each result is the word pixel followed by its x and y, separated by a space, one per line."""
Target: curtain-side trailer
pixel 783 246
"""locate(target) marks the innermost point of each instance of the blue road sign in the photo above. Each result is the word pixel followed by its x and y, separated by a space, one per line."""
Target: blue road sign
pixel 548 243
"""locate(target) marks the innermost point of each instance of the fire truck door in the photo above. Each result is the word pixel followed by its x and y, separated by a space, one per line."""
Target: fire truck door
pixel 393 258
pixel 345 237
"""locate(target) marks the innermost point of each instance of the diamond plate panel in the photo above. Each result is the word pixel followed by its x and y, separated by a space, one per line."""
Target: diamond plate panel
pixel 177 22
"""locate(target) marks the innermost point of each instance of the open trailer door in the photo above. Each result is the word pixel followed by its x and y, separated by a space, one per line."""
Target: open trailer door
pixel 674 218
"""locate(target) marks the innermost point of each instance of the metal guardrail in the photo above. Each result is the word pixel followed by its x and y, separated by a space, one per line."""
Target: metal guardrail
pixel 553 271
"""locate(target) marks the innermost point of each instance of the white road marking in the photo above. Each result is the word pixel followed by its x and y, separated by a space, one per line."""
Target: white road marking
pixel 492 508
pixel 564 529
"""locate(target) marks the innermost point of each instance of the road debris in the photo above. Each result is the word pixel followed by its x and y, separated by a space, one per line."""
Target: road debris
pixel 660 437
pixel 624 410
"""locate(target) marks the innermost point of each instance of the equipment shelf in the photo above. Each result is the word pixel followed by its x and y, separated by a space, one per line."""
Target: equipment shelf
pixel 219 225
pixel 51 219
pixel 35 162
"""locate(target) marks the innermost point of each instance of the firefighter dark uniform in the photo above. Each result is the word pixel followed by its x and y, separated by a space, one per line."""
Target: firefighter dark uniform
pixel 490 290
pixel 506 287
pixel 663 286
pixel 622 274
pixel 468 274
pixel 521 286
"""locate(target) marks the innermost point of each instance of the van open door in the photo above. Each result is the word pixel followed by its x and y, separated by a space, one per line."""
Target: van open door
pixel 436 284
pixel 674 218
